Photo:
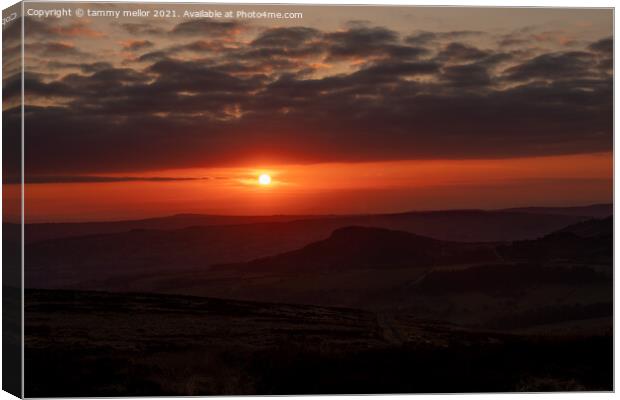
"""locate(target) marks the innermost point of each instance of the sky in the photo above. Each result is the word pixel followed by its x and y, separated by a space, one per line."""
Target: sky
pixel 349 109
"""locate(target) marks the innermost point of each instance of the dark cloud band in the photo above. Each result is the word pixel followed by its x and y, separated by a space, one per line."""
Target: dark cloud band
pixel 269 100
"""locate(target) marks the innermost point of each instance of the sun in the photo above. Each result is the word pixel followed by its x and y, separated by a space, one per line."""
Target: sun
pixel 264 179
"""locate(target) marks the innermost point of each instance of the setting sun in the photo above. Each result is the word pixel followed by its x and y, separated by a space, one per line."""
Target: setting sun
pixel 264 179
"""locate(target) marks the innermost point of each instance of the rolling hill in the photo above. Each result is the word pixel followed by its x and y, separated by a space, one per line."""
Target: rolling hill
pixel 90 259
pixel 593 211
pixel 458 225
pixel 370 248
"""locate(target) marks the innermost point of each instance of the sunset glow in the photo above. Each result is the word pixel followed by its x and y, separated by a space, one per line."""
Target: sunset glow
pixel 355 124
pixel 340 188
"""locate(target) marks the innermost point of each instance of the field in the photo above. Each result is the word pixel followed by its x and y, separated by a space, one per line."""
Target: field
pixel 136 344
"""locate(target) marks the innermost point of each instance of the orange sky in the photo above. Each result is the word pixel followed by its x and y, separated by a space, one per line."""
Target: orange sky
pixel 340 188
pixel 348 109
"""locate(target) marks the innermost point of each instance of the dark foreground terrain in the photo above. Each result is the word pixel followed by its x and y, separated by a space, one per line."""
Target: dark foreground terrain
pixel 102 344
pixel 455 301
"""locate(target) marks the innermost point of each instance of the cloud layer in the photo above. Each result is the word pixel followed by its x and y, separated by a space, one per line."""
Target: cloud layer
pixel 206 93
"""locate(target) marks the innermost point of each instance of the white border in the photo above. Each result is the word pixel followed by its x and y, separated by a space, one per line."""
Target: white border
pixel 480 3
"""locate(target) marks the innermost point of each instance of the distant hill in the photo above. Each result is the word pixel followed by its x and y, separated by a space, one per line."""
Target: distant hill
pixel 71 261
pixel 361 267
pixel 112 257
pixel 460 282
pixel 586 242
pixel 592 211
pixel 506 280
pixel 455 225
pixel 591 228
pixel 45 231
pixel 363 247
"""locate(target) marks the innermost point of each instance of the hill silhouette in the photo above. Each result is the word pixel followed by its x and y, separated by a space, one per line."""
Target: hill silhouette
pixel 341 295
pixel 457 225
pixel 73 260
pixel 592 211
pixel 586 242
pixel 45 231
pixel 591 228
pixel 362 247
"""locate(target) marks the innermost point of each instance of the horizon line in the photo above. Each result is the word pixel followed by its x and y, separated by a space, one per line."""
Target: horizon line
pixel 310 215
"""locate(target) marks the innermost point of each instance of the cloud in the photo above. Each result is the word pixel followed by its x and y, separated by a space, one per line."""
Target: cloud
pixel 605 45
pixel 532 35
pixel 76 29
pixel 364 42
pixel 42 179
pixel 134 45
pixel 84 67
pixel 302 95
pixel 208 28
pixel 425 37
pixel 391 71
pixel 55 49
pixel 142 29
pixel 471 75
pixel 560 65
pixel 56 29
pixel 286 37
pixel 157 55
pixel 462 52
pixel 558 37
